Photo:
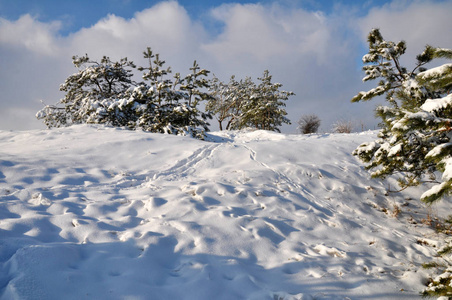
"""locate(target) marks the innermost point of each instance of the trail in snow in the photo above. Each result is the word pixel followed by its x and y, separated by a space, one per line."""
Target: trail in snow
pixel 187 165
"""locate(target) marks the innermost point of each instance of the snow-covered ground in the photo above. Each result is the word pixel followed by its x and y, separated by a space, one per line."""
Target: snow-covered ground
pixel 101 213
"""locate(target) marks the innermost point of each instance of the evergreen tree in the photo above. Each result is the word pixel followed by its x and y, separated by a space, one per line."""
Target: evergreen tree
pixel 172 106
pixel 222 101
pixel 227 100
pixel 244 92
pixel 409 132
pixel 93 94
pixel 263 108
pixel 195 87
pixel 158 96
pixel 244 104
pixel 433 119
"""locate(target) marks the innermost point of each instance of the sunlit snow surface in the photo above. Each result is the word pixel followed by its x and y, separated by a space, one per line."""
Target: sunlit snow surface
pixel 101 213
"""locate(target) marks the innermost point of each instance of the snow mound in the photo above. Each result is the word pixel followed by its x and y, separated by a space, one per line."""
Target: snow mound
pixel 92 212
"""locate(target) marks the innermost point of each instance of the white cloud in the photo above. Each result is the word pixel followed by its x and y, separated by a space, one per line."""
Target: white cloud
pixel 166 27
pixel 265 32
pixel 31 34
pixel 416 22
pixel 249 29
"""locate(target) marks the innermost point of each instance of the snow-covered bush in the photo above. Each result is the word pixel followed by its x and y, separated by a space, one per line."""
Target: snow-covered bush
pixel 104 93
pixel 415 140
pixel 308 124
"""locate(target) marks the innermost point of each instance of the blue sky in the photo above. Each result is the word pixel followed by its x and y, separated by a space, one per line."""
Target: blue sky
pixel 85 13
pixel 313 48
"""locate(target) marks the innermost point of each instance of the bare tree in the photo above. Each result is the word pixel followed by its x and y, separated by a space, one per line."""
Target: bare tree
pixel 308 124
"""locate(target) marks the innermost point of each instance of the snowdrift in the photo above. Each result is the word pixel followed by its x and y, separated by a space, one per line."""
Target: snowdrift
pixel 102 213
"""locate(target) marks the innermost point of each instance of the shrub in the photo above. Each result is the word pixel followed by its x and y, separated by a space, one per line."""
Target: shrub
pixel 343 126
pixel 308 124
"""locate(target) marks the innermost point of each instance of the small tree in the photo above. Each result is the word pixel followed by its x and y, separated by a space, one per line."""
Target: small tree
pixel 195 85
pixel 225 103
pixel 92 94
pixel 308 124
pixel 262 108
pixel 172 106
pixel 244 104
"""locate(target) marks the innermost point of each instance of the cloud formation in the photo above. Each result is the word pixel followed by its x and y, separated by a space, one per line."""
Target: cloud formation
pixel 418 23
pixel 30 34
pixel 165 26
pixel 313 54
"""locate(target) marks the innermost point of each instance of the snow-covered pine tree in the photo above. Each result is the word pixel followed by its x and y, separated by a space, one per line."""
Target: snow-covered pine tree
pixel 434 120
pixel 413 132
pixel 263 109
pixel 93 94
pixel 227 100
pixel 158 96
pixel 172 106
pixel 242 93
pixel 220 103
pixel 195 87
pixel 244 104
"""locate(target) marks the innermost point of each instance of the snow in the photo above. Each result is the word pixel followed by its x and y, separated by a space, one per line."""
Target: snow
pixel 432 105
pixel 91 212
pixel 435 72
pixel 434 190
pixel 395 150
pixel 438 150
pixel 447 174
pixel 368 58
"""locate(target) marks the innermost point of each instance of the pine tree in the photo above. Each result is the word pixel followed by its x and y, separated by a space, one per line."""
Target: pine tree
pixel 434 120
pixel 263 109
pixel 158 96
pixel 409 132
pixel 195 85
pixel 227 99
pixel 243 93
pixel 93 94
pixel 243 104
pixel 173 106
